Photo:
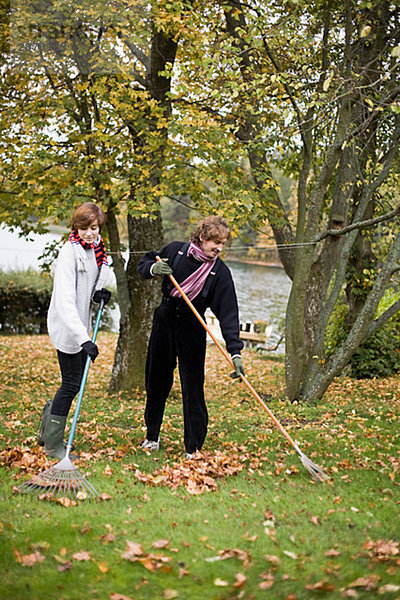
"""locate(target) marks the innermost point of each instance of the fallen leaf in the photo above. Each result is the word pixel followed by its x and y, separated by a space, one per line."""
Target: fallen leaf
pixel 104 497
pixel 103 567
pixel 119 597
pixel 67 502
pixel 29 559
pixel 160 544
pixel 169 594
pixel 133 550
pixel 65 566
pixel 240 580
pixel 332 552
pixel 183 572
pixel 148 563
pixel 291 554
pixel 81 556
pixel 388 588
pixel 368 583
pixel 220 582
pixel 382 549
pixel 274 560
pixel 236 553
pixel 267 580
pixel 323 586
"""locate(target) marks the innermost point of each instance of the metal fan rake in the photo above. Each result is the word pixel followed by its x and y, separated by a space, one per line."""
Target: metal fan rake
pixel 315 471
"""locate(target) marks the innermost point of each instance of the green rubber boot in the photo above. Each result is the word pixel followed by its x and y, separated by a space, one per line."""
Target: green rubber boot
pixel 54 436
pixel 45 417
pixel 45 414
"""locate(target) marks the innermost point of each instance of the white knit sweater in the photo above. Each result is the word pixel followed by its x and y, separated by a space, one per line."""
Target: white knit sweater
pixel 76 278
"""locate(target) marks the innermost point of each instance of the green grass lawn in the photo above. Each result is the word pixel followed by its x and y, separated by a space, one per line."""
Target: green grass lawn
pixel 243 520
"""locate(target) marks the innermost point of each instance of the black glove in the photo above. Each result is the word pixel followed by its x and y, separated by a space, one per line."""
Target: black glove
pixel 239 369
pixel 91 350
pixel 161 267
pixel 102 294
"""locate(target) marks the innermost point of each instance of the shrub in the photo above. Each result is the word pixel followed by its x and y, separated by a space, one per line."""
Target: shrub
pixel 24 301
pixel 379 355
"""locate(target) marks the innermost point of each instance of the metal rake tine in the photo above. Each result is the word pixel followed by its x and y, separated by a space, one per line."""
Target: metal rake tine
pixel 61 480
pixel 315 470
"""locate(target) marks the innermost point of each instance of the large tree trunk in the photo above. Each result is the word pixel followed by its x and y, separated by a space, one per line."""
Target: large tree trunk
pixel 130 357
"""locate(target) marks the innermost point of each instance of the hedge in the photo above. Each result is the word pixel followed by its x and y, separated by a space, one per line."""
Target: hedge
pixel 24 302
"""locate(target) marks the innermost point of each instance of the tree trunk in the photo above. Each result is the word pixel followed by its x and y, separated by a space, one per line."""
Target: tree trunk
pixel 362 326
pixel 130 357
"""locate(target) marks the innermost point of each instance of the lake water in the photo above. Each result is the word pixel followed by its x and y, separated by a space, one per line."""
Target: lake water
pixel 262 291
pixel 22 252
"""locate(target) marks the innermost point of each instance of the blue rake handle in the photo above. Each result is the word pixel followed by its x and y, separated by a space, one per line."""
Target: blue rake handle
pixel 83 382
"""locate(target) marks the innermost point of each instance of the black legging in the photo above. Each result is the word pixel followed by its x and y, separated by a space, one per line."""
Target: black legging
pixel 176 334
pixel 72 367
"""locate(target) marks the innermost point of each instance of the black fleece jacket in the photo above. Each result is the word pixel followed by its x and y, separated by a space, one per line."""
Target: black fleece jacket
pixel 221 297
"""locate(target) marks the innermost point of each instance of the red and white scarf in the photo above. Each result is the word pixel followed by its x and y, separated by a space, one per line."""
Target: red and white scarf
pixel 193 284
pixel 98 246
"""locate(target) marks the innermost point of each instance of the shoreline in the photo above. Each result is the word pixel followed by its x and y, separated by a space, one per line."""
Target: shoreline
pixel 258 263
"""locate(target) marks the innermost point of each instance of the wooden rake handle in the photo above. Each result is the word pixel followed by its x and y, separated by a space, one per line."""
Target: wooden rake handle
pixel 230 361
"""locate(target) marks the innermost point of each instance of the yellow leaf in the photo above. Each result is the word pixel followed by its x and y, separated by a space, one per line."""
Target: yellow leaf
pixel 220 582
pixel 366 30
pixel 103 567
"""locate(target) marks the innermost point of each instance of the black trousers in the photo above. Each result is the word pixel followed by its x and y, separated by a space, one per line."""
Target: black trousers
pixel 176 335
pixel 72 367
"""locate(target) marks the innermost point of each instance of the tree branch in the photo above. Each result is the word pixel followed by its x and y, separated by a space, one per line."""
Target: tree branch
pixel 382 319
pixel 137 52
pixel 360 225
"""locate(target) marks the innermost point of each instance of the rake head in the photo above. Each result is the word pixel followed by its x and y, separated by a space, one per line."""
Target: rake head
pixel 62 480
pixel 316 472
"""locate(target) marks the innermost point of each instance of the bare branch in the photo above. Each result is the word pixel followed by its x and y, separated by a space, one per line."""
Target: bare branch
pixel 359 225
pixel 382 319
pixel 137 52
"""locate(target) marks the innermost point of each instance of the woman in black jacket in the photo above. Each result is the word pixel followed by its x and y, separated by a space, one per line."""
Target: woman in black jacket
pixel 176 332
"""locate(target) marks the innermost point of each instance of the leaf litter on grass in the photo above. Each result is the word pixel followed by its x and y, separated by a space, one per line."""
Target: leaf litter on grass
pixel 353 431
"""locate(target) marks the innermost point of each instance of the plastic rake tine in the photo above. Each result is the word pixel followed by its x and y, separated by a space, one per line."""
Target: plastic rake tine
pixel 315 471
pixel 63 480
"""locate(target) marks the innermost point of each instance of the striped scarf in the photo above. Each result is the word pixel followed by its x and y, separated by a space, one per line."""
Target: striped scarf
pixel 193 284
pixel 98 246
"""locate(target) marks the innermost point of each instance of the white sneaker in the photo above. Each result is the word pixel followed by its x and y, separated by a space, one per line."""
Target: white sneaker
pixel 151 445
pixel 190 455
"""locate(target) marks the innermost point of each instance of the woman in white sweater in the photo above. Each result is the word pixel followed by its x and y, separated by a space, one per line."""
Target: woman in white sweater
pixel 80 276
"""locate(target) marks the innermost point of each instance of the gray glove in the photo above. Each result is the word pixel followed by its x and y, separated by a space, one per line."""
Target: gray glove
pixel 239 369
pixel 161 267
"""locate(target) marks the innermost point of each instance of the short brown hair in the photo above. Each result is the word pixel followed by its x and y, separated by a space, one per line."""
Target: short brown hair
pixel 85 214
pixel 211 228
